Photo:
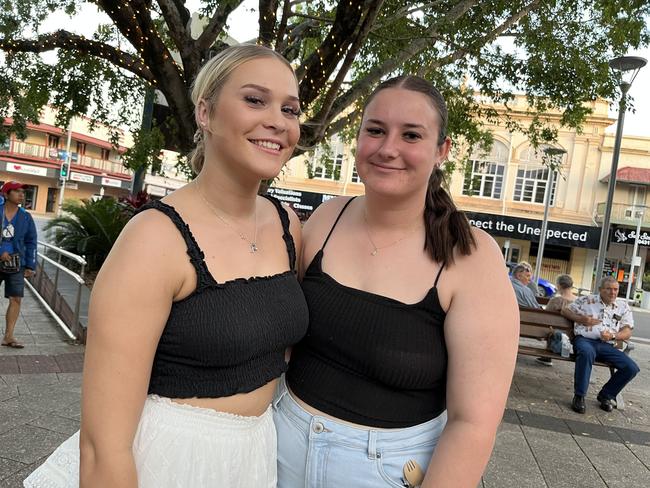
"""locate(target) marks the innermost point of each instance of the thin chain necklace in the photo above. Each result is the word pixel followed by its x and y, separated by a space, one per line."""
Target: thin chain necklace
pixel 252 244
pixel 375 248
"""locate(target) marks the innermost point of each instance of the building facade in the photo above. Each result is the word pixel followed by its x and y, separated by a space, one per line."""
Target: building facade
pixel 95 170
pixel 503 193
pixel 36 161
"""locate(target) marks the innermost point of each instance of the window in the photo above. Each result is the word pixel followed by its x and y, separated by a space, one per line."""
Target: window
pixel 485 179
pixel 81 148
pixel 328 161
pixel 52 141
pixel 106 154
pixel 355 175
pixel 532 177
pixel 531 184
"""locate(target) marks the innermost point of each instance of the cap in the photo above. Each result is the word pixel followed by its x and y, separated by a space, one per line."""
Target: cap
pixel 11 185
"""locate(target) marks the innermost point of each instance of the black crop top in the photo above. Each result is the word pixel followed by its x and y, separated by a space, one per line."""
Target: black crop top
pixel 227 338
pixel 369 359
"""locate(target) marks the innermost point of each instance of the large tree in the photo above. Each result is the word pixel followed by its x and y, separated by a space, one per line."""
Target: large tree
pixel 555 51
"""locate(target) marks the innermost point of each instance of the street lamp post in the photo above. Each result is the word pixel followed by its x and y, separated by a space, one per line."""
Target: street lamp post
pixel 629 66
pixel 636 260
pixel 553 153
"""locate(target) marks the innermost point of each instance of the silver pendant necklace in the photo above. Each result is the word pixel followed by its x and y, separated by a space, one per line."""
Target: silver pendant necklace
pixel 375 248
pixel 252 244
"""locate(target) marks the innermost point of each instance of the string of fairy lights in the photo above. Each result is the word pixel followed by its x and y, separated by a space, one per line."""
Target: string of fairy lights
pixel 141 41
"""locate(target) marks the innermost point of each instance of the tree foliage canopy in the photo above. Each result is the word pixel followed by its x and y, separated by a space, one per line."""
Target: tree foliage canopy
pixel 554 51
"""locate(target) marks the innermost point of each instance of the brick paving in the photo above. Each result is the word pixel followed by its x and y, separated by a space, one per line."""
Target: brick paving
pixel 541 441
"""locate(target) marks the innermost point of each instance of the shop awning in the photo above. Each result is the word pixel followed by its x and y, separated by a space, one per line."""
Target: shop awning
pixel 631 176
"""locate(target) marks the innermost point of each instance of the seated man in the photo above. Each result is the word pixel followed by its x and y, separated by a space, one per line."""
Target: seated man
pixel 600 321
pixel 521 278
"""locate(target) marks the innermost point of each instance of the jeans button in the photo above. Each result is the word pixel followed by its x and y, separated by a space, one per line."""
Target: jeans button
pixel 318 427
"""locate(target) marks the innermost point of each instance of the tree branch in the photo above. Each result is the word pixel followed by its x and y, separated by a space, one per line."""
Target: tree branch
pixel 282 29
pixel 124 17
pixel 319 66
pixel 324 20
pixel 339 124
pixel 216 24
pixel 73 42
pixel 183 11
pixel 367 82
pixel 174 20
pixel 463 51
pixel 267 17
pixel 359 39
pixel 403 12
pixel 292 42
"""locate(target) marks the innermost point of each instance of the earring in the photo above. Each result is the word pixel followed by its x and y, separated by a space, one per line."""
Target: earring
pixel 198 135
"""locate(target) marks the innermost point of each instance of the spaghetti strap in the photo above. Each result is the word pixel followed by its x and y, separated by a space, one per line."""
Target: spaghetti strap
pixel 336 222
pixel 197 258
pixel 435 283
pixel 286 235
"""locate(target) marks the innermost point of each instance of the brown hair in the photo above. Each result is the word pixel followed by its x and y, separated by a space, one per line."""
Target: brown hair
pixel 446 227
pixel 210 80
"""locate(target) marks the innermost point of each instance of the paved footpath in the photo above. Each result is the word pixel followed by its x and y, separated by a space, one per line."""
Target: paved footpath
pixel 541 442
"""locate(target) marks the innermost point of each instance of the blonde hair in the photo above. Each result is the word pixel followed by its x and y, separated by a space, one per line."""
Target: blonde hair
pixel 213 76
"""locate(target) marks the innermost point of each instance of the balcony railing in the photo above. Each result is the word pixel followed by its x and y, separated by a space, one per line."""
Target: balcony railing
pixel 38 151
pixel 625 214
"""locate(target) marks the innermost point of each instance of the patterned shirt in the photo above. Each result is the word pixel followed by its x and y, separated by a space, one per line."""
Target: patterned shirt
pixel 612 317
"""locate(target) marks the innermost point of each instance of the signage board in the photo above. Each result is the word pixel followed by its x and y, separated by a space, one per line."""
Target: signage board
pixel 302 202
pixel 26 169
pixel 621 235
pixel 82 177
pixel 111 182
pixel 557 233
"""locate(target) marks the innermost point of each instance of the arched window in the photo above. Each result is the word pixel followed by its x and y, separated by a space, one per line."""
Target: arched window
pixel 532 177
pixel 486 176
pixel 328 160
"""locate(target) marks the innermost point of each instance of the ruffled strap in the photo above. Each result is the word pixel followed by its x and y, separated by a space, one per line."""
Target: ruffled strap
pixel 197 258
pixel 288 238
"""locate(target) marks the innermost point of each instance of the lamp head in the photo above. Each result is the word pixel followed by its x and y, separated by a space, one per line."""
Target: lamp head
pixel 629 67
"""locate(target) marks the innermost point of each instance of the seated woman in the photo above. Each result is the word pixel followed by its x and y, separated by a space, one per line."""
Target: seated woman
pixel 565 294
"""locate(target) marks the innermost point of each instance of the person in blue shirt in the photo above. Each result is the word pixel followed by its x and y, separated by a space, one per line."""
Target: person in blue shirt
pixel 17 247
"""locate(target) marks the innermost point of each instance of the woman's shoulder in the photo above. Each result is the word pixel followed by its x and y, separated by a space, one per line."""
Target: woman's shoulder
pixel 329 210
pixel 153 227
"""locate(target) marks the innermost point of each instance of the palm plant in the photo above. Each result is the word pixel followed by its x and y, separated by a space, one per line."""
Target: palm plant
pixel 89 228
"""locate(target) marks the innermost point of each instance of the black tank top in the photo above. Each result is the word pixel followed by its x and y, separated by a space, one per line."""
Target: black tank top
pixel 369 359
pixel 227 338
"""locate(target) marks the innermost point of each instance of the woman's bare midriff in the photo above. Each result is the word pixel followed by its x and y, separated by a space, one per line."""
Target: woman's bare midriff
pixel 251 404
pixel 314 411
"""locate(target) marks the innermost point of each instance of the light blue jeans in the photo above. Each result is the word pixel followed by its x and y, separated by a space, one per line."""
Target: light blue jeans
pixel 317 452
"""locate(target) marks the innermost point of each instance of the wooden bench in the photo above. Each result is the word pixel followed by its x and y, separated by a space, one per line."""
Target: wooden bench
pixel 536 323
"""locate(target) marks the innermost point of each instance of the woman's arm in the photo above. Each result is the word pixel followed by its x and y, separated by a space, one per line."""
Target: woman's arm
pixel 482 335
pixel 129 307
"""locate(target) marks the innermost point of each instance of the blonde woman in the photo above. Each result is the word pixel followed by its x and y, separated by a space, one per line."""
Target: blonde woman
pixel 192 312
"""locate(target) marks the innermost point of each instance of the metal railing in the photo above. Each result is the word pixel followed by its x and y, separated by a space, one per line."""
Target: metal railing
pixel 75 331
pixel 45 152
pixel 625 214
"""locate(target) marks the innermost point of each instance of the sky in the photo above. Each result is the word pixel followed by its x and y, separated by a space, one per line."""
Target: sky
pixel 243 27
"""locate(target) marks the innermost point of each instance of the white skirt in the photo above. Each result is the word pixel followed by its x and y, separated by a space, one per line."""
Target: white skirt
pixel 181 446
